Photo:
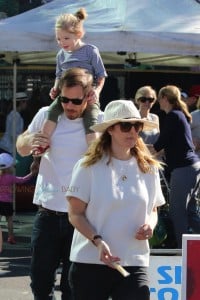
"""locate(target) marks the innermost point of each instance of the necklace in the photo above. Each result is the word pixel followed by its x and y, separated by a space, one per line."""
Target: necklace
pixel 123 177
pixel 120 170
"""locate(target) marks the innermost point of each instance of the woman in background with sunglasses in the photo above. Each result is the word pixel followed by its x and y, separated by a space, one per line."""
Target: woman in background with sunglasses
pixel 113 198
pixel 145 98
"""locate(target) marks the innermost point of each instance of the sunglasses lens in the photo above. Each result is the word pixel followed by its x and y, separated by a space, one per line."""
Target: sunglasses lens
pixel 138 126
pixel 73 101
pixel 145 99
pixel 126 126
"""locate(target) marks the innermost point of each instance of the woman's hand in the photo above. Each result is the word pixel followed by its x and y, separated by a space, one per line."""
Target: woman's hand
pixel 105 254
pixel 145 232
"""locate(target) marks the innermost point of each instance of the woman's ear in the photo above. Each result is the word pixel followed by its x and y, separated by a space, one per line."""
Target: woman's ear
pixel 110 129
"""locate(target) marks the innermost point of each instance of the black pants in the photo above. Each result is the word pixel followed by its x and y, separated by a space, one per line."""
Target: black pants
pixel 99 282
pixel 51 242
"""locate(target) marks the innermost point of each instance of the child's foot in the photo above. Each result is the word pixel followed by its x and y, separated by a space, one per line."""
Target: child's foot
pixel 39 151
pixel 11 240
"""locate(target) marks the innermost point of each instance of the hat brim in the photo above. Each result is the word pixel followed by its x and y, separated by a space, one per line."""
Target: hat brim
pixel 2 167
pixel 101 127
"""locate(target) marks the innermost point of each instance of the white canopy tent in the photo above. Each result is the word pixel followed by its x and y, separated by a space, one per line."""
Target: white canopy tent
pixel 159 32
pixel 155 32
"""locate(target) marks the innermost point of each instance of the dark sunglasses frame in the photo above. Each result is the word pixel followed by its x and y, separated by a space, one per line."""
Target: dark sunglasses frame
pixel 127 126
pixel 145 99
pixel 75 101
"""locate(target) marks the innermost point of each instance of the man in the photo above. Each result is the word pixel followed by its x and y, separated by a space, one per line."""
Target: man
pixel 193 96
pixel 14 124
pixel 52 232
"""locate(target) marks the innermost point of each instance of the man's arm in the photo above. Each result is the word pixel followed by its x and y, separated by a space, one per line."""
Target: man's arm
pixel 26 142
pixel 31 138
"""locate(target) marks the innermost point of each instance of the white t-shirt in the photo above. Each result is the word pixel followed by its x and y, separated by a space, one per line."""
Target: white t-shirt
pixel 68 144
pixel 116 208
pixel 151 136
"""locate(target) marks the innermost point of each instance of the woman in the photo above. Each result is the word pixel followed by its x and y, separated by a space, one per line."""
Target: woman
pixel 182 162
pixel 113 198
pixel 145 98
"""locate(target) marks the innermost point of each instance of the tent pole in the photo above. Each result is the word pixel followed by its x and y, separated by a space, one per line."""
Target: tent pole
pixel 14 127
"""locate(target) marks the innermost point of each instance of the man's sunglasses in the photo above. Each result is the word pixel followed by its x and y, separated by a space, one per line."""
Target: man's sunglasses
pixel 145 99
pixel 127 126
pixel 75 101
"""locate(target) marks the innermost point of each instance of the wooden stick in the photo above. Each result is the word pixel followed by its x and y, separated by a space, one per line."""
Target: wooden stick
pixel 121 270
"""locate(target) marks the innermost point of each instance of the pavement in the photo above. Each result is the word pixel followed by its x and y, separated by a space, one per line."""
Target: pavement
pixel 15 260
pixel 22 223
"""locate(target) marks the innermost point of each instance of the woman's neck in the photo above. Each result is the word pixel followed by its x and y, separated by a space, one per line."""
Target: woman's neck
pixel 124 154
pixel 144 113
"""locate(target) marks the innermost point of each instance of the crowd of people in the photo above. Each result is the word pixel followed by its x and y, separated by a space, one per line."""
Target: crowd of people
pixel 98 189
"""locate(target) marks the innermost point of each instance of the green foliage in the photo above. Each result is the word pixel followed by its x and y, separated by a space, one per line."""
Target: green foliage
pixel 10 7
pixel 15 7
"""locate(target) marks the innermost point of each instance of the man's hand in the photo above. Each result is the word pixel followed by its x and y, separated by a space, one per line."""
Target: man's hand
pixel 27 142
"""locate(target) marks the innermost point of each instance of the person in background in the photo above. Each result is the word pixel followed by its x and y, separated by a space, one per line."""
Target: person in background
pixel 145 98
pixel 52 232
pixel 75 53
pixel 113 198
pixel 184 96
pixel 7 179
pixel 193 96
pixel 14 124
pixel 182 162
pixel 195 127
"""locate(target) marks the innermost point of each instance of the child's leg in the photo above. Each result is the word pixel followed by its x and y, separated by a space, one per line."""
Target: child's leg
pixel 90 118
pixel 11 238
pixel 55 109
pixel 10 225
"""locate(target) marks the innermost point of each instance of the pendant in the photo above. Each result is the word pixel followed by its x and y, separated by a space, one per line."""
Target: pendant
pixel 123 177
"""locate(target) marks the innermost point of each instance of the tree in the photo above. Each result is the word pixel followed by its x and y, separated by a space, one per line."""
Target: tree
pixel 11 7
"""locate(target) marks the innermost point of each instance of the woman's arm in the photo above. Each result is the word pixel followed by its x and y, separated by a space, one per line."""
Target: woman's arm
pixel 78 219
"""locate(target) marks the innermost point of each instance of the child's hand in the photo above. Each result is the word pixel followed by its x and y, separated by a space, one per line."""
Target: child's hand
pixel 93 96
pixel 53 93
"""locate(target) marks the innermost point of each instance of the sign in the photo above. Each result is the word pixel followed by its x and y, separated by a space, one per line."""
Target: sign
pixel 165 277
pixel 191 267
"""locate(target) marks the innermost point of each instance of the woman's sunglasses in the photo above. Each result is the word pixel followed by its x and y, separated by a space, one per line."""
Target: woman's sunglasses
pixel 127 126
pixel 145 99
pixel 73 101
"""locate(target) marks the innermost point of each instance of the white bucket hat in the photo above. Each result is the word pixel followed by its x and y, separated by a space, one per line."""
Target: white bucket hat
pixel 21 96
pixel 6 161
pixel 122 111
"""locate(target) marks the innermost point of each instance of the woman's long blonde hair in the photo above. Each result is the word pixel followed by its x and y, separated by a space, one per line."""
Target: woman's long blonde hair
pixel 173 95
pixel 102 146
